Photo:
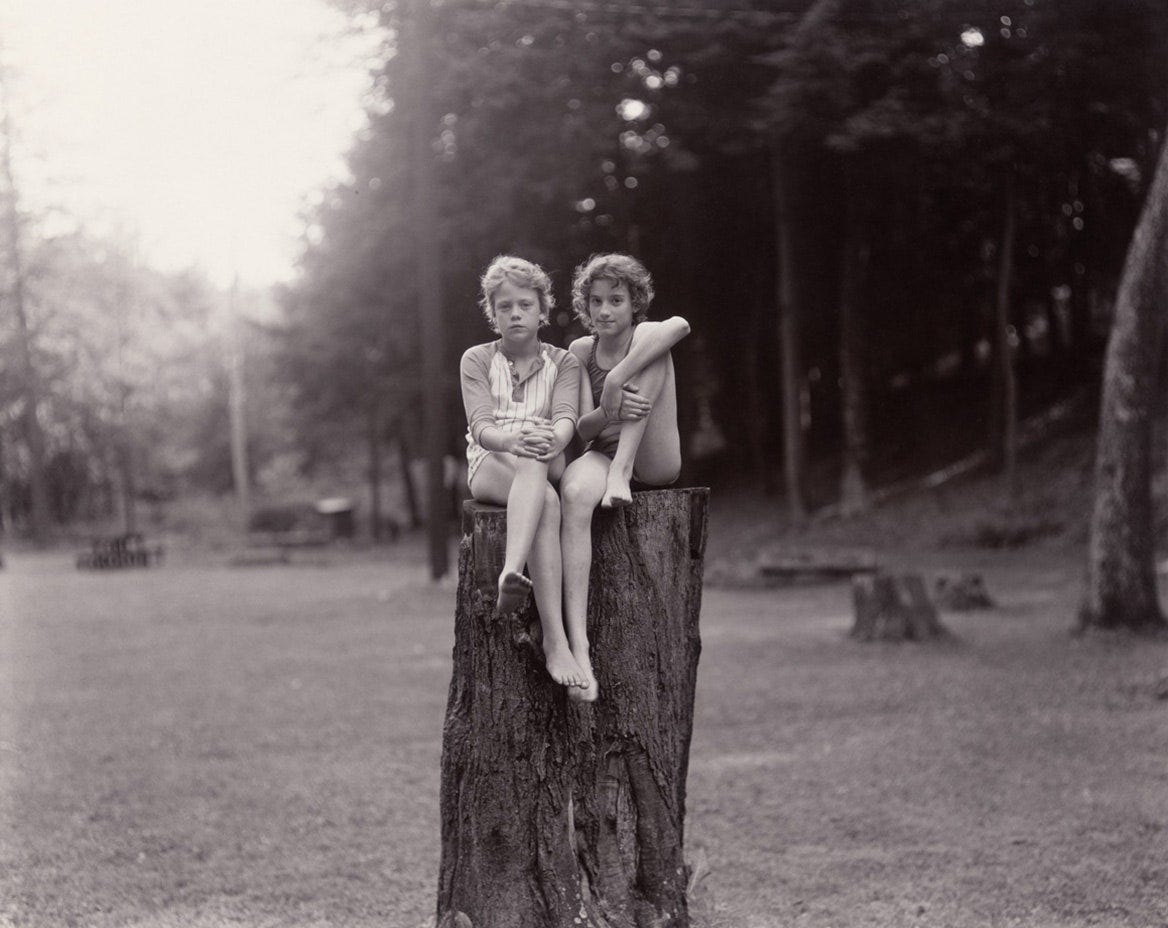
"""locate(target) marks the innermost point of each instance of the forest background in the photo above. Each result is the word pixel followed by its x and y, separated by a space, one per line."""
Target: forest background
pixel 896 229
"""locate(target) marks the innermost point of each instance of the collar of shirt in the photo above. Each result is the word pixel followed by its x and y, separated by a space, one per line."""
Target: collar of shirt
pixel 537 364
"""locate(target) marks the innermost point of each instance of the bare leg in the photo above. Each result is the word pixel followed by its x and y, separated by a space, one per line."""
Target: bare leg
pixel 582 488
pixel 650 446
pixel 533 517
pixel 518 484
pixel 547 575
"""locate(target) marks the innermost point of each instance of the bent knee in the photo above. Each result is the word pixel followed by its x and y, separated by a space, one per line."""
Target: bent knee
pixel 652 373
pixel 580 494
pixel 530 466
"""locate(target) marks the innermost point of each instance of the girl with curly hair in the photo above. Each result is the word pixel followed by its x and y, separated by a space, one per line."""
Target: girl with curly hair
pixel 628 406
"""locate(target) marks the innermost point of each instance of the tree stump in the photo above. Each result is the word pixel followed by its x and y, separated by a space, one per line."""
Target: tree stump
pixel 558 814
pixel 962 592
pixel 893 608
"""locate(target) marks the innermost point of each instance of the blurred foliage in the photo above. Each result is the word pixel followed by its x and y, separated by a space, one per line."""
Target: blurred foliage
pixel 565 129
pixel 134 389
pixel 561 129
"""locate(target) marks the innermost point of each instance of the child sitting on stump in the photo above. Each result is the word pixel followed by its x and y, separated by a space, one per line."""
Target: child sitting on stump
pixel 628 417
pixel 521 399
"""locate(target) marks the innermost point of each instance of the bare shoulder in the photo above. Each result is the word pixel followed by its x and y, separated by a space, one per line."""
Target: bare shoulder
pixel 581 346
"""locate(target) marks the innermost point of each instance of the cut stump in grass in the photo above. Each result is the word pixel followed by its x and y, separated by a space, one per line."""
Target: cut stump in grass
pixel 558 814
pixel 893 608
pixel 964 592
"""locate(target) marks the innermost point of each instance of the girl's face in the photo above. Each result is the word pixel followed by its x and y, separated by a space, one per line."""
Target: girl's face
pixel 610 307
pixel 517 312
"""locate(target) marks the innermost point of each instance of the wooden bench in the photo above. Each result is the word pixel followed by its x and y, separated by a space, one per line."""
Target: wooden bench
pixel 118 551
pixel 784 562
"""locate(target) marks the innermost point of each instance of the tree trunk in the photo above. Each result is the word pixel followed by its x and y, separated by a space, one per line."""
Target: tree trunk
pixel 237 409
pixel 407 476
pixel 29 377
pixel 893 608
pixel 564 815
pixel 374 435
pixel 125 453
pixel 792 370
pixel 1005 415
pixel 791 365
pixel 417 44
pixel 853 490
pixel 1121 571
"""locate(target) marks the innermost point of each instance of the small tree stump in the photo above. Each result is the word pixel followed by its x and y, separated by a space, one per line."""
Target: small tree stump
pixel 893 608
pixel 558 814
pixel 962 592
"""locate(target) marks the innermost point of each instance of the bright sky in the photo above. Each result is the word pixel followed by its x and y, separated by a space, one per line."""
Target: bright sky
pixel 200 126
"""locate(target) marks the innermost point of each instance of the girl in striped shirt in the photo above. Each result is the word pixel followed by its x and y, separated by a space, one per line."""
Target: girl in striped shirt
pixel 521 398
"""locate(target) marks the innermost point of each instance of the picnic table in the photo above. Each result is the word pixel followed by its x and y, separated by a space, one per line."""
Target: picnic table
pixel 284 528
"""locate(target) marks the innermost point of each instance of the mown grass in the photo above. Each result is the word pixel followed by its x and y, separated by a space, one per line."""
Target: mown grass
pixel 200 746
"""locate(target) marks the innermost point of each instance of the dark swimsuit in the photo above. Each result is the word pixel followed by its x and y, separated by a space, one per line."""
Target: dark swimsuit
pixel 608 439
pixel 606 442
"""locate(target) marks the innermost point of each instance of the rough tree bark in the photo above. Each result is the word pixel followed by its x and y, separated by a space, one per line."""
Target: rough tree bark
pixel 1121 571
pixel 565 815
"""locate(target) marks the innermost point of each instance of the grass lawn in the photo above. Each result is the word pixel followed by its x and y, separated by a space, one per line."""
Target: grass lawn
pixel 201 745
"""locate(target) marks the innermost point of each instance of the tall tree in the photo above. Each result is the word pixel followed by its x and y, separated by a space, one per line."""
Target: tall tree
pixel 1121 570
pixel 13 288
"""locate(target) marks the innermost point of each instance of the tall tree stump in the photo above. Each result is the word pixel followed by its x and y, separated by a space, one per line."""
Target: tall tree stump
pixel 893 608
pixel 557 814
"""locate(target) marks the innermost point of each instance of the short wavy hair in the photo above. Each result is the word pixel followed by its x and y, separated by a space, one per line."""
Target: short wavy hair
pixel 620 269
pixel 521 273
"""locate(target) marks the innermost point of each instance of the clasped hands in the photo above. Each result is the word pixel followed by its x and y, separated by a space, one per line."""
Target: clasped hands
pixel 537 439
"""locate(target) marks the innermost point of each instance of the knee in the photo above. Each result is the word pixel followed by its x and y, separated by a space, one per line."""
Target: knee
pixel 551 504
pixel 530 467
pixel 578 496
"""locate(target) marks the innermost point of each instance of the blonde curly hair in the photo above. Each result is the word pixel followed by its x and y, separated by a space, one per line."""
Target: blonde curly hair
pixel 521 273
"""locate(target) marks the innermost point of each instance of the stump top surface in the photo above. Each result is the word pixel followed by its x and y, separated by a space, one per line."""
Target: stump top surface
pixel 473 505
pixel 472 509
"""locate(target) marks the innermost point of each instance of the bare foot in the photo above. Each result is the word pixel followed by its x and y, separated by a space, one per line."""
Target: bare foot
pixel 616 490
pixel 513 590
pixel 590 692
pixel 564 669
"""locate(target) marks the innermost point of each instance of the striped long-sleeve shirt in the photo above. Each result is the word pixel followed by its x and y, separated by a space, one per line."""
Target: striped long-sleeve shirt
pixel 494 394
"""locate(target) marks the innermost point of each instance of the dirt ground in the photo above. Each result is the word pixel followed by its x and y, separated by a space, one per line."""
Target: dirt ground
pixel 200 745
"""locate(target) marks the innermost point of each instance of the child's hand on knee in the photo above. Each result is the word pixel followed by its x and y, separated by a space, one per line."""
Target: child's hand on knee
pixel 611 396
pixel 632 405
pixel 537 439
